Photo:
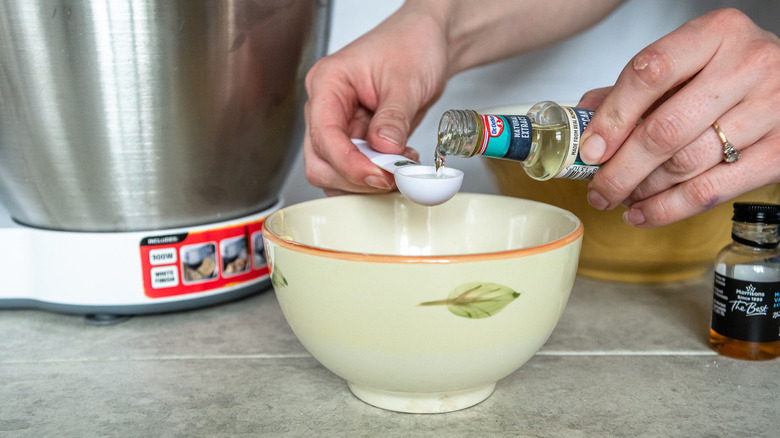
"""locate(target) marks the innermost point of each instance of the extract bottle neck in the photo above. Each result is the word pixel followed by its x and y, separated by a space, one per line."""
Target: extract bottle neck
pixel 757 235
pixel 459 133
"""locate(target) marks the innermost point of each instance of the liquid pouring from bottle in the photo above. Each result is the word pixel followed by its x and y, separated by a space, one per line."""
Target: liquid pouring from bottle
pixel 420 184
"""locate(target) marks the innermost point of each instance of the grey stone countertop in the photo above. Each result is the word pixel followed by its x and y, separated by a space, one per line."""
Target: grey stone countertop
pixel 625 360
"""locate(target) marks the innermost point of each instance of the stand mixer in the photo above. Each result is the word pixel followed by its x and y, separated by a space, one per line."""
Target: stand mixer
pixel 142 144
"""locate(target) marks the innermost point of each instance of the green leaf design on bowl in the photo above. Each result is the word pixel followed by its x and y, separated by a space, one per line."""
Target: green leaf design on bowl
pixel 477 300
pixel 277 278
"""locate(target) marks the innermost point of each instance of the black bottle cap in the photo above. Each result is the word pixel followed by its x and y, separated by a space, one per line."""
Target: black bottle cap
pixel 756 212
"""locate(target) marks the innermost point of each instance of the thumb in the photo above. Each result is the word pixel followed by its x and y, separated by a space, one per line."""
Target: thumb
pixel 390 126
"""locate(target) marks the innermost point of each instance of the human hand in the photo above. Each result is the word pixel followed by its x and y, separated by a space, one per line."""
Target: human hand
pixel 378 88
pixel 719 67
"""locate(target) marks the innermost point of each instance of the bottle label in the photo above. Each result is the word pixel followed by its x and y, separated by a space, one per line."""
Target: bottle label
pixel 506 137
pixel 510 137
pixel 574 167
pixel 746 310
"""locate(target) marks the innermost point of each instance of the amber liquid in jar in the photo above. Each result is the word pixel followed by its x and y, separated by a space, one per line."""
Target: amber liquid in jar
pixel 743 349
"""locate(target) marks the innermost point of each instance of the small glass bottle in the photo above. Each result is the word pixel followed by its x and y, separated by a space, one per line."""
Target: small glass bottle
pixel 746 294
pixel 546 140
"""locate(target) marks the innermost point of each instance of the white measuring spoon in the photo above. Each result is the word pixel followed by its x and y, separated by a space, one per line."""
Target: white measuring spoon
pixel 421 184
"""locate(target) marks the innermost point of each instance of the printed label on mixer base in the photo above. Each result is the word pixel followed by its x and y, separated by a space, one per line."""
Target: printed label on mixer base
pixel 185 263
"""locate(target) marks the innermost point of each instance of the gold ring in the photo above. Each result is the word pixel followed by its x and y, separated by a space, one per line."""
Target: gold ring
pixel 730 154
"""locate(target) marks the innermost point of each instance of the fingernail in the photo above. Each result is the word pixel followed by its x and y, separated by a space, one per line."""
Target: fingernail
pixel 390 134
pixel 377 182
pixel 633 216
pixel 597 201
pixel 592 149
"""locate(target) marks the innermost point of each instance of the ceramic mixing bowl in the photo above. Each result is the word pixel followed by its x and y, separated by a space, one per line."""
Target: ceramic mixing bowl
pixel 613 250
pixel 422 309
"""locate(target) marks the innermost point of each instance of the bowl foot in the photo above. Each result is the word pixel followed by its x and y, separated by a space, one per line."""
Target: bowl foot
pixel 422 403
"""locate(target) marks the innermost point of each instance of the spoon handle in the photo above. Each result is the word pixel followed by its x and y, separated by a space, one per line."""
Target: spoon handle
pixel 389 162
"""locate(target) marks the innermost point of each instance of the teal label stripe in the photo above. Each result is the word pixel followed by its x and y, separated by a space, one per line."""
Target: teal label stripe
pixel 507 136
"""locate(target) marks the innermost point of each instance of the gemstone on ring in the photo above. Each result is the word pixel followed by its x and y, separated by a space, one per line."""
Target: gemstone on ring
pixel 730 154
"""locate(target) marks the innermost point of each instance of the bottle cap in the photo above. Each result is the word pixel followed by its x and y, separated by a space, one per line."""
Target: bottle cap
pixel 756 212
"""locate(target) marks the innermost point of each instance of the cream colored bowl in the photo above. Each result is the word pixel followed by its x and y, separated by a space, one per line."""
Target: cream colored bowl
pixel 422 309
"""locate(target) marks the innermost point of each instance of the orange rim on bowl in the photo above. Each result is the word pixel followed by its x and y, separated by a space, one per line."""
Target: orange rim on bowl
pixel 437 259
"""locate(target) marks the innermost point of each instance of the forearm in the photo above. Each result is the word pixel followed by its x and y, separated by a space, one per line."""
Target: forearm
pixel 482 32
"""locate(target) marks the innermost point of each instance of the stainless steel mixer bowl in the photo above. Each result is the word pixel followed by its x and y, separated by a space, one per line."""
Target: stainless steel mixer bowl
pixel 146 114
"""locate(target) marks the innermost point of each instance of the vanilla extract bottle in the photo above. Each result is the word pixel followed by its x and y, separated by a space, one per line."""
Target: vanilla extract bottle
pixel 546 140
pixel 746 292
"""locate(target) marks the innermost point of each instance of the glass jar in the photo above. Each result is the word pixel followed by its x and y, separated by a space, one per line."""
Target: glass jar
pixel 746 293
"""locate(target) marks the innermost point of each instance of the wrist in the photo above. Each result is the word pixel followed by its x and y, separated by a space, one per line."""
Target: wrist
pixel 473 32
pixel 445 17
pixel 478 33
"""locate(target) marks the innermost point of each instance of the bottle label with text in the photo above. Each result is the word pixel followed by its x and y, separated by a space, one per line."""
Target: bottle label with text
pixel 746 310
pixel 511 137
pixel 507 137
pixel 574 167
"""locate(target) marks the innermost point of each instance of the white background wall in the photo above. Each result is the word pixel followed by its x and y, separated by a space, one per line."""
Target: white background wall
pixel 562 73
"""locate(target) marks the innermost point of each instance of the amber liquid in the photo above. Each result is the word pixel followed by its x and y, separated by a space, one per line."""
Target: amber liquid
pixel 743 349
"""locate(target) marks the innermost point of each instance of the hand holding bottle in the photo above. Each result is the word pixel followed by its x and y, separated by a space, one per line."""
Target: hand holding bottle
pixel 719 67
pixel 381 85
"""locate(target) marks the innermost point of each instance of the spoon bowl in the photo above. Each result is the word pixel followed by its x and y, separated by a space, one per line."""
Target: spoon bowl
pixel 422 185
pixel 425 186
